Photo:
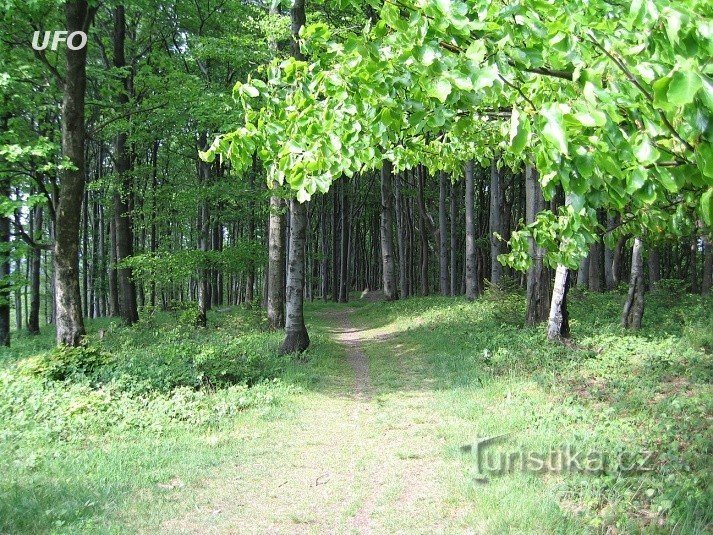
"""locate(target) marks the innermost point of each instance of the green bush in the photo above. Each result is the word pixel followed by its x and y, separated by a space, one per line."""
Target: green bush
pixel 66 362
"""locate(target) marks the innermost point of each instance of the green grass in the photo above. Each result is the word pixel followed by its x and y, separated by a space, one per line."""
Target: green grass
pixel 168 428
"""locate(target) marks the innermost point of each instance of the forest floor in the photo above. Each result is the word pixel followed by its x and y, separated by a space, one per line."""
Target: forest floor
pixel 369 433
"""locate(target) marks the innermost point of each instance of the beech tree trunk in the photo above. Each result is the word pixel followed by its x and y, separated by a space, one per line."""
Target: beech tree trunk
pixel 596 263
pixel 35 260
pixel 276 268
pixel 296 337
pixel 471 274
pixel 69 320
pixel 496 224
pixel 387 242
pixel 558 327
pixel 401 239
pixel 454 241
pixel 204 240
pixel 707 279
pixel 4 261
pixel 538 279
pixel 443 233
pixel 124 232
pixel 634 306
pixel 344 285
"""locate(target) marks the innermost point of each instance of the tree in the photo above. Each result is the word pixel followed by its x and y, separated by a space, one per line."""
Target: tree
pixel 387 242
pixel 634 306
pixel 69 320
pixel 471 275
pixel 296 337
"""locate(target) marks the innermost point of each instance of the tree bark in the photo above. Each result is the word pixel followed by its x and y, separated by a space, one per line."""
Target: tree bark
pixel 707 279
pixel 471 275
pixel 35 259
pixel 496 224
pixel 558 327
pixel 634 306
pixel 344 284
pixel 296 337
pixel 387 241
pixel 5 191
pixel 276 273
pixel 454 241
pixel 443 233
pixel 69 320
pixel 204 239
pixel 124 232
pixel 538 279
pixel 401 240
pixel 596 261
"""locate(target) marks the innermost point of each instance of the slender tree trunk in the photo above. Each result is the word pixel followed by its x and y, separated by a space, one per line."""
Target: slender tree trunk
pixel 387 242
pixel 596 263
pixel 558 327
pixel 69 320
pixel 693 264
pixel 276 252
pixel 538 279
pixel 401 239
pixel 124 232
pixel 204 239
pixel 344 283
pixel 336 271
pixel 5 191
pixel 250 279
pixel 454 241
pixel 707 279
pixel 634 306
pixel 443 233
pixel 18 296
pixel 496 224
pixel 113 283
pixel 609 276
pixel 296 337
pixel 471 275
pixel 35 260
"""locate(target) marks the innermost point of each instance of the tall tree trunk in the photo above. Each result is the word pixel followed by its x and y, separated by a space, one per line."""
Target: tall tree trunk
pixel 344 283
pixel 538 279
pixel 276 252
pixel 18 296
pixel 693 264
pixel 596 263
pixel 558 327
pixel 496 223
pixel 707 279
pixel 204 239
pixel 609 277
pixel 387 241
pixel 69 320
pixel 401 240
pixel 5 191
pixel 250 279
pixel 443 233
pixel 471 275
pixel 35 260
pixel 454 240
pixel 634 306
pixel 296 337
pixel 424 227
pixel 124 232
pixel 335 241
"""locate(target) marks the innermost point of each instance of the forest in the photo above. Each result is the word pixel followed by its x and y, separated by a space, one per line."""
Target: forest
pixel 356 266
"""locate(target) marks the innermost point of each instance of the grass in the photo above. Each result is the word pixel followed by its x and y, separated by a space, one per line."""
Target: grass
pixel 168 428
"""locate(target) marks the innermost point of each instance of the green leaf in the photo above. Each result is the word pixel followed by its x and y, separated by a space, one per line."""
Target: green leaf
pixel 519 131
pixel 554 130
pixel 683 87
pixel 707 207
pixel 249 90
pixel 440 90
pixel 704 159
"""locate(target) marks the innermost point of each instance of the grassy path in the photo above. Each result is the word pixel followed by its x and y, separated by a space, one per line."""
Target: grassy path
pixel 347 461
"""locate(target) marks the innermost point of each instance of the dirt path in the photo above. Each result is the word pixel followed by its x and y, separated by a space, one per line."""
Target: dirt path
pixel 364 462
